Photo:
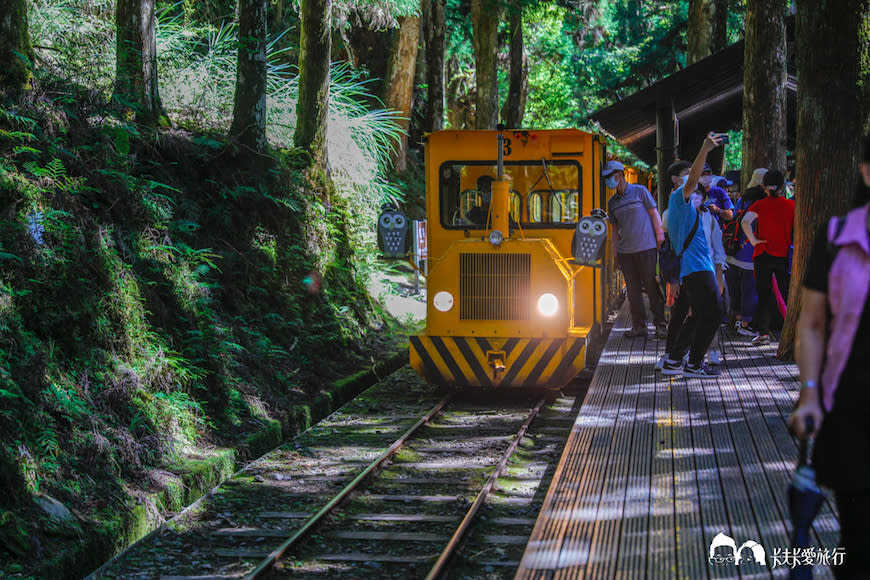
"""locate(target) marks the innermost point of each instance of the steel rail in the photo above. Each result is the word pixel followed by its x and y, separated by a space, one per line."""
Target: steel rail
pixel 309 524
pixel 450 549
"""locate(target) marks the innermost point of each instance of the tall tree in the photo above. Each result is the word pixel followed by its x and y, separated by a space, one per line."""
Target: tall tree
pixel 249 105
pixel 312 110
pixel 136 86
pixel 833 73
pixel 16 52
pixel 435 38
pixel 515 104
pixel 484 20
pixel 764 86
pixel 707 30
pixel 399 87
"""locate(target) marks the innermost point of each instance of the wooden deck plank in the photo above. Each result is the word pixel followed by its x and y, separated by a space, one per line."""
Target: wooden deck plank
pixel 656 467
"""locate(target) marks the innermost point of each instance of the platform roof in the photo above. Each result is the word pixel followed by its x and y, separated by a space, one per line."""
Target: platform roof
pixel 707 96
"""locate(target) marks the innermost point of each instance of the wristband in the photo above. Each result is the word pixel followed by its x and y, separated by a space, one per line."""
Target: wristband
pixel 809 384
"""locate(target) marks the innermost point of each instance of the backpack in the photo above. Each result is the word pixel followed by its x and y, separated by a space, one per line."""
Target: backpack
pixel 669 259
pixel 733 238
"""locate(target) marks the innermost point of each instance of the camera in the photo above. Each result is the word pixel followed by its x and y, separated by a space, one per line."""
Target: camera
pixel 724 138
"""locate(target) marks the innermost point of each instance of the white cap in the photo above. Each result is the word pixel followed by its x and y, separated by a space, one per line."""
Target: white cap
pixel 612 166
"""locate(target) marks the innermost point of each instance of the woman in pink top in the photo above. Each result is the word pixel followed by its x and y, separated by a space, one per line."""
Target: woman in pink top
pixel 831 352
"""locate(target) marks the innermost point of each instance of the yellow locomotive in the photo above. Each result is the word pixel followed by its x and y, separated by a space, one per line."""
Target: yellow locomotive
pixel 510 302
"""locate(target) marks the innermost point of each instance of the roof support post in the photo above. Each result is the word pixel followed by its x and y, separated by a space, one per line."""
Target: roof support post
pixel 666 149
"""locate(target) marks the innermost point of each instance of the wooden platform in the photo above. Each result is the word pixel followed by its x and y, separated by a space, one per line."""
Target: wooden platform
pixel 656 467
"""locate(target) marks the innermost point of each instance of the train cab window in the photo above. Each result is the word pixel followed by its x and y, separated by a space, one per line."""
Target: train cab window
pixel 564 206
pixel 543 194
pixel 516 206
pixel 536 208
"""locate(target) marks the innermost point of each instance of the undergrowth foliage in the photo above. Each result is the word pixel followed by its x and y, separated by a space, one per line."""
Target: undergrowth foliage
pixel 157 297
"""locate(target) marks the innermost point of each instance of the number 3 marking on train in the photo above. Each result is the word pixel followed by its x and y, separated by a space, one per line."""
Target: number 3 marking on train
pixel 507 147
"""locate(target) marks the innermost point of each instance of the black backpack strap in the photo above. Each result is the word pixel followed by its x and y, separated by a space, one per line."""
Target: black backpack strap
pixel 691 234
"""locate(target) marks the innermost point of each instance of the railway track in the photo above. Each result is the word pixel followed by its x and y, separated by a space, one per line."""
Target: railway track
pixel 387 486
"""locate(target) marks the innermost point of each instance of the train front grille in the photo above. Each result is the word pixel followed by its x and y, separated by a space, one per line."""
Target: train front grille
pixel 494 286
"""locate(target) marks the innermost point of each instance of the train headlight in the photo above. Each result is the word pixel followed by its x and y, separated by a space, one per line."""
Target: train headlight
pixel 496 238
pixel 548 304
pixel 443 301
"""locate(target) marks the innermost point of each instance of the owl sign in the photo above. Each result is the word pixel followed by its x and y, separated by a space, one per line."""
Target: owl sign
pixel 393 234
pixel 589 238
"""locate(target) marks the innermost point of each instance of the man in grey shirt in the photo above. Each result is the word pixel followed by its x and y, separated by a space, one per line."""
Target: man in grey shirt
pixel 638 235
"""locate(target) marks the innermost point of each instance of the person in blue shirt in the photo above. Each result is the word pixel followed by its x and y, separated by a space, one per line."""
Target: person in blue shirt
pixel 698 286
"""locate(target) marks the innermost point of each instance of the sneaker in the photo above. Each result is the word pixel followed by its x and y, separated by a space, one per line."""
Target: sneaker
pixel 636 332
pixel 700 371
pixel 746 330
pixel 661 332
pixel 672 367
pixel 661 362
pixel 714 358
pixel 761 339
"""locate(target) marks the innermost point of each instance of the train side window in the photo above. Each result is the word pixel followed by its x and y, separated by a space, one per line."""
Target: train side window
pixel 516 206
pixel 565 206
pixel 536 208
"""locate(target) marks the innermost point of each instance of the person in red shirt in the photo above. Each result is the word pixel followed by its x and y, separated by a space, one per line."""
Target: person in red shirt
pixel 773 217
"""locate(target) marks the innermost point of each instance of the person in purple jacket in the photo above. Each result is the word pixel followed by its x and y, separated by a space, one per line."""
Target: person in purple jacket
pixel 833 339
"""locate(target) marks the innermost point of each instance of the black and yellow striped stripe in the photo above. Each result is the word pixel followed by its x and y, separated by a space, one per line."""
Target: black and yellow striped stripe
pixel 529 362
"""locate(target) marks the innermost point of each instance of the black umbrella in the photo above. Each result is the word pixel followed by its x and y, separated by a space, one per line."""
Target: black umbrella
pixel 804 500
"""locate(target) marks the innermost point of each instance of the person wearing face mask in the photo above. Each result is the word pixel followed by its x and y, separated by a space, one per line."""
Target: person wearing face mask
pixel 638 234
pixel 716 198
pixel 774 219
pixel 699 290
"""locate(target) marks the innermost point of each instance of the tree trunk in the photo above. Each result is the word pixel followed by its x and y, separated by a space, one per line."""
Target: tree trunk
pixel 399 89
pixel 314 56
pixel 515 105
pixel 16 52
pixel 484 20
pixel 249 105
pixel 764 91
pixel 707 30
pixel 136 86
pixel 832 38
pixel 435 37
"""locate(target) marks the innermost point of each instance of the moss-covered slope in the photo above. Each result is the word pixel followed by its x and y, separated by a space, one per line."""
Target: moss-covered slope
pixel 165 304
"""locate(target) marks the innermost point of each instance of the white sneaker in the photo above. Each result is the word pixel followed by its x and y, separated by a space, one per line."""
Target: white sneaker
pixel 661 362
pixel 714 358
pixel 746 331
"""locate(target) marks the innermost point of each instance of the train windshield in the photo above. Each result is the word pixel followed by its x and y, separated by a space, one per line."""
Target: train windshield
pixel 543 194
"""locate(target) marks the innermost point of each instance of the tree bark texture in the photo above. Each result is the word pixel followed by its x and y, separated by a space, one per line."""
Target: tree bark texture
pixel 435 39
pixel 16 52
pixel 832 39
pixel 136 85
pixel 249 104
pixel 312 110
pixel 707 30
pixel 484 20
pixel 515 105
pixel 399 89
pixel 764 87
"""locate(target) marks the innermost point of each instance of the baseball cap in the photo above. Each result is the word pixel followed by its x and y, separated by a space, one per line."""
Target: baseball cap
pixel 773 177
pixel 720 181
pixel 612 166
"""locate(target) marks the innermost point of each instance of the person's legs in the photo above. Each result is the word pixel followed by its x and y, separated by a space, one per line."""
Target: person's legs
pixel 634 288
pixel 854 510
pixel 779 266
pixel 765 293
pixel 732 279
pixel 647 262
pixel 678 316
pixel 748 294
pixel 706 307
